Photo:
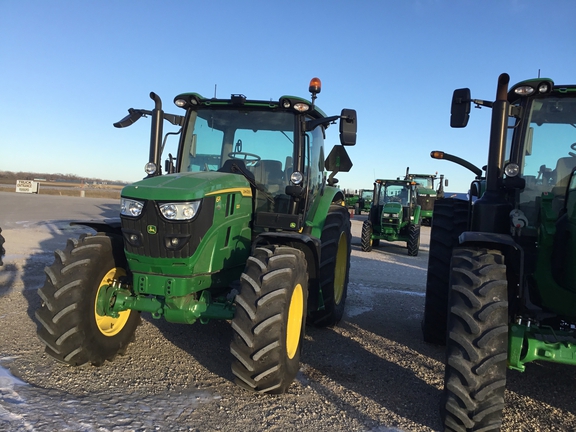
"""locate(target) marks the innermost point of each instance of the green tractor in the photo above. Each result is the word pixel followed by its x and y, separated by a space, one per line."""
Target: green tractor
pixel 351 197
pixel 426 192
pixel 394 216
pixel 245 226
pixel 501 285
pixel 364 201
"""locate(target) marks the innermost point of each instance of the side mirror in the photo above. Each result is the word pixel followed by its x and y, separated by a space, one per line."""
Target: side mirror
pixel 348 126
pixel 460 110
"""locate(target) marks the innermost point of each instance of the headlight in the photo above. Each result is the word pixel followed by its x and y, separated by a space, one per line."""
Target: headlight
pixel 386 214
pixel 179 211
pixel 150 168
pixel 129 207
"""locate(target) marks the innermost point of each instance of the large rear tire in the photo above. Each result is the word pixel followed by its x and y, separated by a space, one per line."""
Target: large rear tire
pixel 449 221
pixel 366 236
pixel 477 343
pixel 335 250
pixel 413 243
pixel 269 320
pixel 69 326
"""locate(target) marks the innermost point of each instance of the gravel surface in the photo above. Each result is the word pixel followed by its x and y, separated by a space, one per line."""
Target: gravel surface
pixel 371 373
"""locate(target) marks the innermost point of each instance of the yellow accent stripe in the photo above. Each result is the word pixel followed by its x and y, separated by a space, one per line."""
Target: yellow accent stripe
pixel 247 192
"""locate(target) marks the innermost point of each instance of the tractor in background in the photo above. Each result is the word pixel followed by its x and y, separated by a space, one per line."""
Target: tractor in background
pixel 243 224
pixel 501 284
pixel 394 216
pixel 427 192
pixel 364 201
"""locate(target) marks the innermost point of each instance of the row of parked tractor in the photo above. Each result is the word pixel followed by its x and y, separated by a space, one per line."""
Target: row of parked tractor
pixel 245 223
pixel 397 208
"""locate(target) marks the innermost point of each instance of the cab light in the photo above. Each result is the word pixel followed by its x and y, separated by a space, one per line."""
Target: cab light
pixel 512 170
pixel 180 103
pixel 544 88
pixel 524 90
pixel 296 177
pixel 129 207
pixel 301 107
pixel 179 211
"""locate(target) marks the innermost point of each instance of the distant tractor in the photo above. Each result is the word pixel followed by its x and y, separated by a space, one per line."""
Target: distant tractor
pixel 427 192
pixel 501 284
pixel 394 216
pixel 244 227
pixel 351 197
pixel 364 201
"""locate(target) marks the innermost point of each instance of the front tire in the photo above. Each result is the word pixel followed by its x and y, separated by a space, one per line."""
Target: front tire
pixel 413 243
pixel 450 219
pixel 335 250
pixel 269 320
pixel 366 236
pixel 69 326
pixel 477 343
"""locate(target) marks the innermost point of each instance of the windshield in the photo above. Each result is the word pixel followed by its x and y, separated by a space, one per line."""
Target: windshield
pixel 262 140
pixel 393 193
pixel 549 150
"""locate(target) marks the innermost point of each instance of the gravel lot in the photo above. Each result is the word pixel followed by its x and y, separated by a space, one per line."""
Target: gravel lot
pixel 371 373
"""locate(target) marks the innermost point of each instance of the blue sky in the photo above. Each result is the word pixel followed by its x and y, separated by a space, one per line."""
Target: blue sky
pixel 69 69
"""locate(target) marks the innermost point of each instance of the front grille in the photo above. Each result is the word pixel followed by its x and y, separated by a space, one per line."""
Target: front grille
pixel 153 232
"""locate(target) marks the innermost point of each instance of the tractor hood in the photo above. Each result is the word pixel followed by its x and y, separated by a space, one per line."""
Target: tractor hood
pixel 186 186
pixel 392 208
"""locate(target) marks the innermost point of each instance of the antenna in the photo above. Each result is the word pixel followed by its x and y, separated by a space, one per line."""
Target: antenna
pixel 215 86
pixel 538 73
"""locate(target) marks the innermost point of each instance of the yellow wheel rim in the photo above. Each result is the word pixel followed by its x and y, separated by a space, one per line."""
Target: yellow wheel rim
pixel 108 325
pixel 294 325
pixel 340 268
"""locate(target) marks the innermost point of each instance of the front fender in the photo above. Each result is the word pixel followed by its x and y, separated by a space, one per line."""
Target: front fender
pixel 111 226
pixel 316 217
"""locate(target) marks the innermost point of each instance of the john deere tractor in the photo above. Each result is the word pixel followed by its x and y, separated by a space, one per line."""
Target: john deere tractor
pixel 501 287
pixel 364 201
pixel 244 225
pixel 394 216
pixel 426 192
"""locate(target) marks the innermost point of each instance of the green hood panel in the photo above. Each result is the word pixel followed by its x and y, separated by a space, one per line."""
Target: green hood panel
pixel 185 186
pixel 393 208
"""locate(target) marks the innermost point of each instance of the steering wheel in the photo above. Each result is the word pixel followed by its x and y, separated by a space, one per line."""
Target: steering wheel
pixel 250 159
pixel 573 147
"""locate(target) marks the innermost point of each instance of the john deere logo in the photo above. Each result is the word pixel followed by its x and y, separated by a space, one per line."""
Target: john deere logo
pixel 151 229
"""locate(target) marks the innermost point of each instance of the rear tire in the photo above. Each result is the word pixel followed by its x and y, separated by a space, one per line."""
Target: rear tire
pixel 413 243
pixel 269 320
pixel 450 219
pixel 69 326
pixel 366 236
pixel 477 343
pixel 335 250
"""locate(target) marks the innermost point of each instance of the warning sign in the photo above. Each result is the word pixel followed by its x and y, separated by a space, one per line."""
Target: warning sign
pixel 26 186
